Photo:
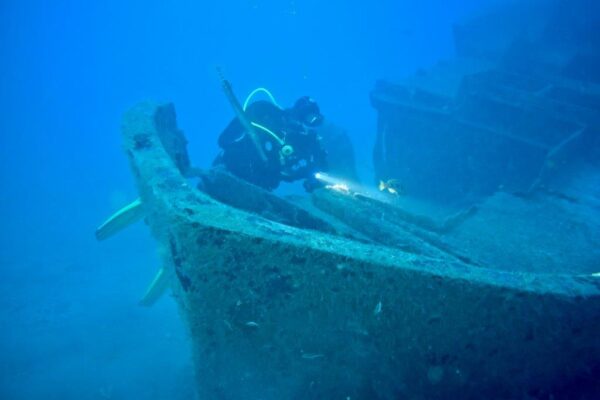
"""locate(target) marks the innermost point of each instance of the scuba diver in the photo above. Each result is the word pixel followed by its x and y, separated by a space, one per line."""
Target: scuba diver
pixel 266 144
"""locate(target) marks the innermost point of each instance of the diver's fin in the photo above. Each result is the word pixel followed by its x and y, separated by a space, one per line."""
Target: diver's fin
pixel 126 216
pixel 157 288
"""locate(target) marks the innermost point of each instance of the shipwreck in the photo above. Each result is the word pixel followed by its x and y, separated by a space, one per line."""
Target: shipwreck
pixel 345 296
pixel 340 295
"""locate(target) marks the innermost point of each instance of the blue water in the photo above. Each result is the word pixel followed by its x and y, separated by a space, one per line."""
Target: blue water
pixel 71 327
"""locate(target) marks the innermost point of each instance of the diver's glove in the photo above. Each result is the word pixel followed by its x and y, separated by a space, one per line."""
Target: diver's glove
pixel 312 183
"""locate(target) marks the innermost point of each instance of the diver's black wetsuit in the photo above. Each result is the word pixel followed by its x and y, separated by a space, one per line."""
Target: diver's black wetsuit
pixel 293 151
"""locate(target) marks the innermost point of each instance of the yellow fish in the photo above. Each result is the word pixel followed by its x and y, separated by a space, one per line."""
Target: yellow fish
pixel 392 186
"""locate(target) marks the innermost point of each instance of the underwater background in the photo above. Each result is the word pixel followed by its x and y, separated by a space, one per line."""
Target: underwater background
pixel 71 326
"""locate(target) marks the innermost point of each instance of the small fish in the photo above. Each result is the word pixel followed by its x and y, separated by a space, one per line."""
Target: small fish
pixel 377 308
pixel 392 186
pixel 310 356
